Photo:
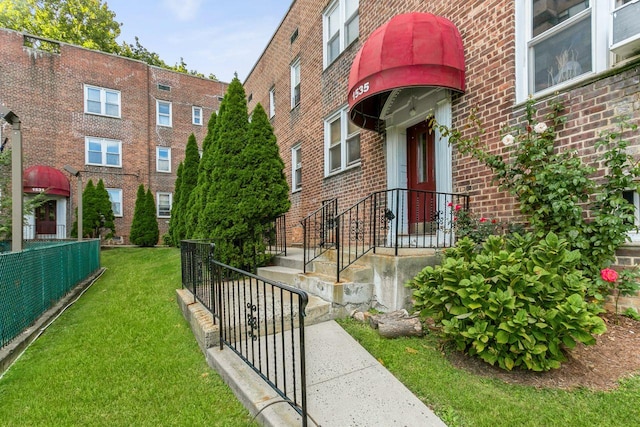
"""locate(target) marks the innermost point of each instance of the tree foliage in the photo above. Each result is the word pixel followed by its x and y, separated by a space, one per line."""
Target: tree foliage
pixel 185 184
pixel 86 23
pixel 144 228
pixel 97 213
pixel 173 220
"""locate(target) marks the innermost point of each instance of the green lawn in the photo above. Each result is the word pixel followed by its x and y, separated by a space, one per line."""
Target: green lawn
pixel 464 399
pixel 121 356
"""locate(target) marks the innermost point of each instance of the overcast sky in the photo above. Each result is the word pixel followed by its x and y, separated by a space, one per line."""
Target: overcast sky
pixel 212 36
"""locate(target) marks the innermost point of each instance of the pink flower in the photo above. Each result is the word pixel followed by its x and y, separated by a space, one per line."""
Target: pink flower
pixel 450 204
pixel 458 207
pixel 609 275
pixel 455 218
pixel 483 219
pixel 540 128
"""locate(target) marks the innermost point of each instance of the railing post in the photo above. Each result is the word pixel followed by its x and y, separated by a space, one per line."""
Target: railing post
pixel 304 246
pixel 338 232
pixel 397 231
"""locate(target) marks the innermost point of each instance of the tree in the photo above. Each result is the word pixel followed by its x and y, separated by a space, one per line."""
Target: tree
pixel 97 213
pixel 173 221
pixel 189 180
pixel 144 228
pixel 198 197
pixel 248 189
pixel 86 23
pixel 265 192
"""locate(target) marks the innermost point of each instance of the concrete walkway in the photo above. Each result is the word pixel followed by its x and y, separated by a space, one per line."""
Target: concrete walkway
pixel 346 386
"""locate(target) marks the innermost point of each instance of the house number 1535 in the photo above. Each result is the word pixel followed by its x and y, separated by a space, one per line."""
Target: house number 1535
pixel 360 90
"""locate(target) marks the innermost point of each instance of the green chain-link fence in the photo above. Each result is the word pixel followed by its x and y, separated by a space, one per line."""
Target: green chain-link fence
pixel 35 279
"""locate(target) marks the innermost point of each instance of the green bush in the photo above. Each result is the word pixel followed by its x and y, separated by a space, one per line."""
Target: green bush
pixel 515 301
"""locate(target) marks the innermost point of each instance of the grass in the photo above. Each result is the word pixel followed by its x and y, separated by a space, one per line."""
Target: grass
pixel 121 356
pixel 460 398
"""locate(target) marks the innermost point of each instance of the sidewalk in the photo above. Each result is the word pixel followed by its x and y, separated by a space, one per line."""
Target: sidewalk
pixel 346 386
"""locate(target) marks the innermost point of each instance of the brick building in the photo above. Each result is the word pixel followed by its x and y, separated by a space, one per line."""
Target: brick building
pixel 349 84
pixel 108 117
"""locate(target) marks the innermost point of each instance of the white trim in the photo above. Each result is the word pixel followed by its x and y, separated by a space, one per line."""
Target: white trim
pixel 158 115
pixel 343 116
pixel 194 117
pixel 295 167
pixel 295 82
pixel 115 192
pixel 162 193
pixel 168 159
pixel 272 102
pixel 103 100
pixel 341 35
pixel 104 144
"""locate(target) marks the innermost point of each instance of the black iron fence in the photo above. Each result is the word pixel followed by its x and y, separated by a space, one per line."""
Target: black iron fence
pixel 276 237
pixel 395 219
pixel 319 231
pixel 262 321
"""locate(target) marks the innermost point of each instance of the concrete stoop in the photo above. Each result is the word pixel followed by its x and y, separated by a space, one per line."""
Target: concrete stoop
pixel 374 281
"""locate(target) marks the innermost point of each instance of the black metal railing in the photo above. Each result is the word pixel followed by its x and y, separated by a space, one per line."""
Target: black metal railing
pixel 196 270
pixel 261 320
pixel 396 219
pixel 319 231
pixel 276 237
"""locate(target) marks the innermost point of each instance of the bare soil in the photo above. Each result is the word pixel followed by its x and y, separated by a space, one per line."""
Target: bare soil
pixel 615 355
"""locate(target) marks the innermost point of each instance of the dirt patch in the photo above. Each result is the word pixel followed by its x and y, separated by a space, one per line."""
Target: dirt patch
pixel 615 355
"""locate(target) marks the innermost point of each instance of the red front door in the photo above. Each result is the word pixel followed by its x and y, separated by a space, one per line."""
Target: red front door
pixel 421 177
pixel 46 218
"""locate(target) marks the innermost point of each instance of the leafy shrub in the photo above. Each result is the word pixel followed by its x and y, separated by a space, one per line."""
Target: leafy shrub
pixel 515 301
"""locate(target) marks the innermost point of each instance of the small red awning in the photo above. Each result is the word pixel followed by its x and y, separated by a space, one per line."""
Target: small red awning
pixel 38 179
pixel 411 50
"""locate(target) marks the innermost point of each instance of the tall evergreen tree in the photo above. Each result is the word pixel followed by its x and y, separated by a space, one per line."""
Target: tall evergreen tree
pixel 223 216
pixel 198 197
pixel 152 219
pixel 173 220
pixel 104 211
pixel 144 228
pixel 187 184
pixel 265 192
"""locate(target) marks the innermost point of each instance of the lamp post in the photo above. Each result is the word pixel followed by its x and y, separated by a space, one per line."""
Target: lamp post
pixel 16 178
pixel 76 173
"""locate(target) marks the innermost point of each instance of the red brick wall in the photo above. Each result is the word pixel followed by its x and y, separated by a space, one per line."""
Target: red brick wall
pixel 46 90
pixel 487 28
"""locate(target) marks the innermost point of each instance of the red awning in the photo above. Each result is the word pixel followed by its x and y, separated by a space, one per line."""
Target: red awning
pixel 38 179
pixel 413 49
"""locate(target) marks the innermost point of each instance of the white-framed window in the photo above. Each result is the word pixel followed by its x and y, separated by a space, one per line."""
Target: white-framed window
pixel 163 159
pixel 342 142
pixel 341 27
pixel 163 203
pixel 559 43
pixel 296 168
pixel 101 101
pixel 163 113
pixel 103 152
pixel 115 195
pixel 196 115
pixel 295 83
pixel 272 102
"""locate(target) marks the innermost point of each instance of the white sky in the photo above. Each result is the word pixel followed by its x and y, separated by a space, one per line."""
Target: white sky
pixel 212 36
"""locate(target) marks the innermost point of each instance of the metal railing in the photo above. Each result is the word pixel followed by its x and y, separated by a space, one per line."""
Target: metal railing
pixel 398 218
pixel 319 231
pixel 276 237
pixel 196 270
pixel 262 321
pixel 29 232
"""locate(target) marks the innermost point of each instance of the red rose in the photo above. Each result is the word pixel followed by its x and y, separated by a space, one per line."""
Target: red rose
pixel 483 219
pixel 493 221
pixel 609 275
pixel 458 207
pixel 455 218
pixel 450 204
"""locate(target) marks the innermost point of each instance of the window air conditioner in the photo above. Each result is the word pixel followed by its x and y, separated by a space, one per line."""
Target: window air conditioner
pixel 625 39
